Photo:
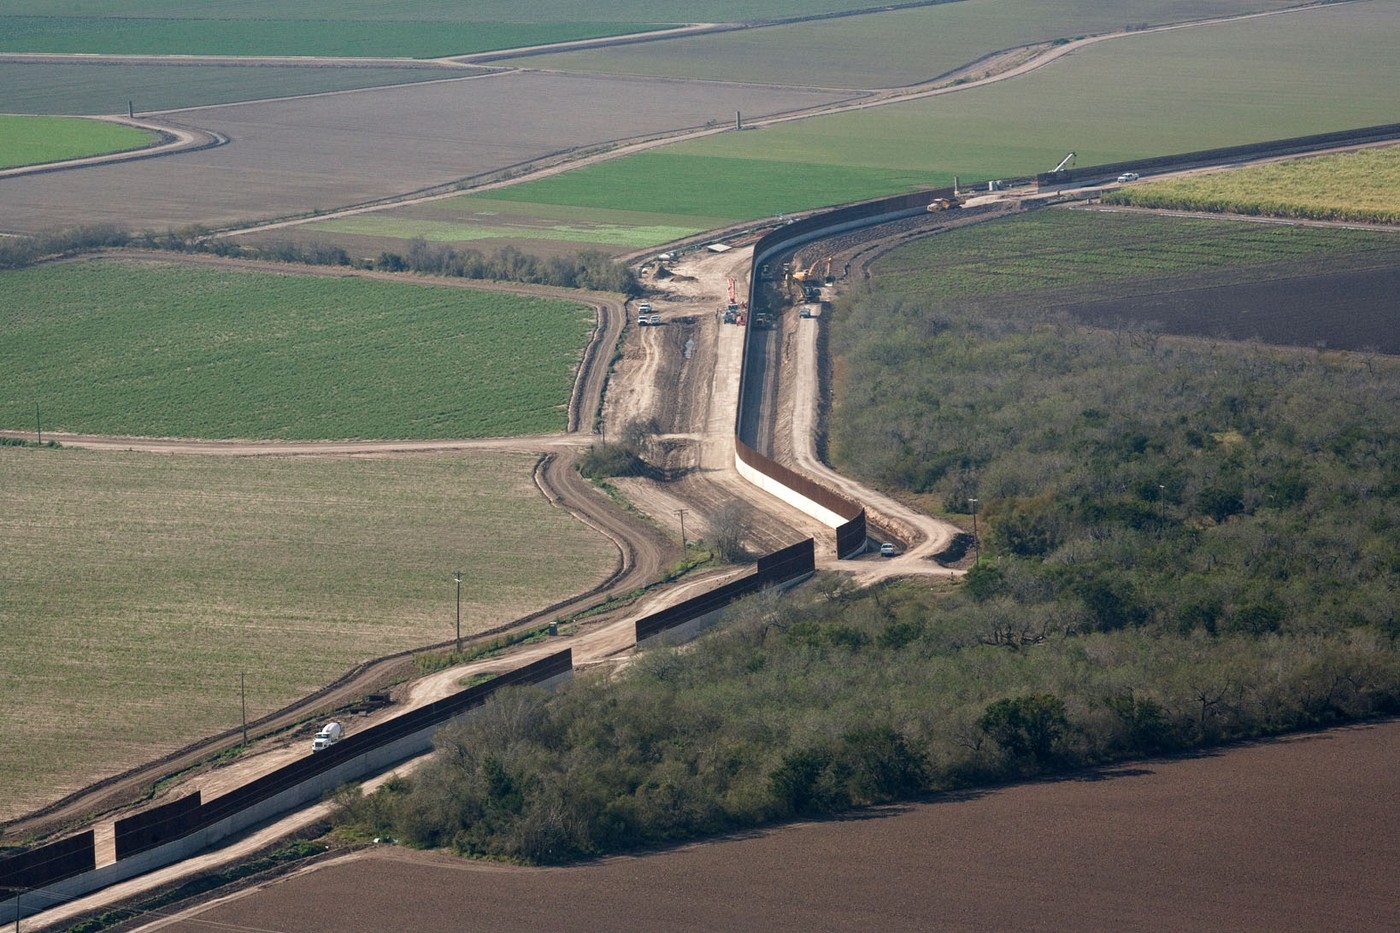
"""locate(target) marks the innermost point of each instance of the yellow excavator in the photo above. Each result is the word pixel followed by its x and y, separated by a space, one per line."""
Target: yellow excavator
pixel 803 277
pixel 947 204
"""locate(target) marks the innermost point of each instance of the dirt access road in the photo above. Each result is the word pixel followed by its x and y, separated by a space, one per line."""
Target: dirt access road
pixel 643 551
pixel 690 386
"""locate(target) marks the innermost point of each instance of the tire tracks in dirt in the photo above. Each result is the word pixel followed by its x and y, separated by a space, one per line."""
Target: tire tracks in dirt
pixel 643 552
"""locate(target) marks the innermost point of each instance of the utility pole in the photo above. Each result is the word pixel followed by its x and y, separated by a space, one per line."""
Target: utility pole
pixel 976 542
pixel 458 576
pixel 243 701
pixel 38 425
pixel 681 513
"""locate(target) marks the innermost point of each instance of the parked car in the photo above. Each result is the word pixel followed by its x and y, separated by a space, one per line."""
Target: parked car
pixel 1128 176
pixel 888 550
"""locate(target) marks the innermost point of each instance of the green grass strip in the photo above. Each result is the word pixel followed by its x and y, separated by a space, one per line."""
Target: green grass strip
pixel 37 140
pixel 280 37
pixel 714 186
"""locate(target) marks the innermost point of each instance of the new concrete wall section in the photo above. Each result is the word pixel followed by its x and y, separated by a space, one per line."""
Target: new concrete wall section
pixel 27 878
pixel 771 477
pixel 373 761
pixel 791 496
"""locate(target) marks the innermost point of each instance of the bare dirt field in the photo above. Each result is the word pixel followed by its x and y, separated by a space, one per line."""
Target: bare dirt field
pixel 1358 306
pixel 320 152
pixel 1294 834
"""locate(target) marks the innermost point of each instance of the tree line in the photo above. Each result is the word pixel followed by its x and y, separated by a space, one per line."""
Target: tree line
pixel 592 270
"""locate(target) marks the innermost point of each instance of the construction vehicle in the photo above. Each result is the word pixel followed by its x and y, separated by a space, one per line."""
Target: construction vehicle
pixel 1065 163
pixel 810 272
pixel 941 203
pixel 330 734
pixel 805 278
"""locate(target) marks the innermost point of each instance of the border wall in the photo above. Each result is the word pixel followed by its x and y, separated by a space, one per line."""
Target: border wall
pixel 684 621
pixel 829 507
pixel 1296 145
pixel 150 828
pixel 845 515
pixel 44 877
pixel 37 868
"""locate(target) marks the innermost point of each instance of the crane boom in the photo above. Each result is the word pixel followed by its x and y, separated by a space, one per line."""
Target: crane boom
pixel 1065 163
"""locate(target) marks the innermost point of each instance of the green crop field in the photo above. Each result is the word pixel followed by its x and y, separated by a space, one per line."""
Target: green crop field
pixel 88 87
pixel 489 219
pixel 891 48
pixel 1357 186
pixel 1122 99
pixel 643 200
pixel 1080 248
pixel 685 184
pixel 504 11
pixel 356 28
pixel 171 350
pixel 36 140
pixel 283 37
pixel 661 196
pixel 1140 95
pixel 138 587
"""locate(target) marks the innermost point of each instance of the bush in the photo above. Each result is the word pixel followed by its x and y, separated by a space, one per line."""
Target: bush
pixel 1028 729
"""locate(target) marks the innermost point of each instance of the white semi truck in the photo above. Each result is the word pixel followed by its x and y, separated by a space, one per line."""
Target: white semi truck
pixel 330 734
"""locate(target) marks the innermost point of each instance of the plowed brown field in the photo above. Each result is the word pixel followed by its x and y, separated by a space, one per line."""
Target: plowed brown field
pixel 1301 833
pixel 305 154
pixel 1329 308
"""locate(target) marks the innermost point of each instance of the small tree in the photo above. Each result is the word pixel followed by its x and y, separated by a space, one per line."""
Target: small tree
pixel 1027 728
pixel 727 532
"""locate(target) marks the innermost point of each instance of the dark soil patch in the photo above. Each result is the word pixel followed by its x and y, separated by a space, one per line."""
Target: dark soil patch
pixel 1294 834
pixel 1347 309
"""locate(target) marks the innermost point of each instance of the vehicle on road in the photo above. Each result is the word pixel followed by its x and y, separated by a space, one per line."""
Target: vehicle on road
pixel 330 734
pixel 888 550
pixel 648 320
pixel 1127 177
